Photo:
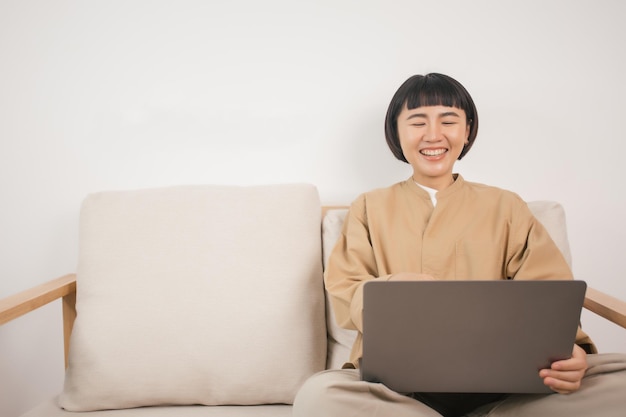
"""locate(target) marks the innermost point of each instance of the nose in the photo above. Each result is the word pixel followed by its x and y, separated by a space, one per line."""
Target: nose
pixel 434 132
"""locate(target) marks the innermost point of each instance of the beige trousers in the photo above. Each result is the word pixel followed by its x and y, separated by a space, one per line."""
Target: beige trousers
pixel 341 393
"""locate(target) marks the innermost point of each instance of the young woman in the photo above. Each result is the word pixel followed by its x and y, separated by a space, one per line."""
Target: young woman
pixel 437 226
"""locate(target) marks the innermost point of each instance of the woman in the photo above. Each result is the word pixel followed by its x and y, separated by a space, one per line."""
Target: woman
pixel 437 226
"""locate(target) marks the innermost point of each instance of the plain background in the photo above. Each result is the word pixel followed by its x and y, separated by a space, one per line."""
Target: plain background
pixel 101 95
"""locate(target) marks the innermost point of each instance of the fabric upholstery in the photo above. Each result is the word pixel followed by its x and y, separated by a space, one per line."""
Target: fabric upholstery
pixel 339 340
pixel 51 409
pixel 552 215
pixel 197 295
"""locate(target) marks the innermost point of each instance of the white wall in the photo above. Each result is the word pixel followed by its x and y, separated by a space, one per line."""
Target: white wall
pixel 98 95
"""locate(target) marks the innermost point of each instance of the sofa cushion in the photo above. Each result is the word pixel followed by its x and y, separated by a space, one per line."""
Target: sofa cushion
pixel 51 409
pixel 552 216
pixel 196 295
pixel 340 341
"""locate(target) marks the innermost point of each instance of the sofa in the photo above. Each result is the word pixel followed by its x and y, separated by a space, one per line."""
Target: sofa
pixel 207 301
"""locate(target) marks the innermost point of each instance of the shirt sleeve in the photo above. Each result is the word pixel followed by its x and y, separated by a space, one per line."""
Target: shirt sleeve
pixel 350 266
pixel 534 255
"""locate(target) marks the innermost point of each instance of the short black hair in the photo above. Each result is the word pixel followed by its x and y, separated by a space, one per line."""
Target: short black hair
pixel 429 90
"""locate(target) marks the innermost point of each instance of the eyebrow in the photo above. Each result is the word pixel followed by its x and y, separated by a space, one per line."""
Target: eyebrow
pixel 448 113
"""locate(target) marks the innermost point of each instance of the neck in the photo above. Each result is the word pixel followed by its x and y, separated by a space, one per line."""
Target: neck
pixel 438 184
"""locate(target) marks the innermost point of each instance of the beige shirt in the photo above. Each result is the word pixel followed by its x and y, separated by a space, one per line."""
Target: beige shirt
pixel 475 232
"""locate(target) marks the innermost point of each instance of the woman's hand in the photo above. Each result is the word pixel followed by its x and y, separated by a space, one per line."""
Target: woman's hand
pixel 410 276
pixel 565 376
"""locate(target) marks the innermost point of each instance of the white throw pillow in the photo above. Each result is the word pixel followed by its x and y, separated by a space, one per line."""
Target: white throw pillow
pixel 197 295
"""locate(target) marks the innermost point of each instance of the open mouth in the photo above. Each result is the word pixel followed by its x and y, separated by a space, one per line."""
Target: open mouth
pixel 433 152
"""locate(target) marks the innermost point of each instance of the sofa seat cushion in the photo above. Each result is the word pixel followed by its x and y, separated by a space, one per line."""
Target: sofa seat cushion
pixel 197 295
pixel 51 409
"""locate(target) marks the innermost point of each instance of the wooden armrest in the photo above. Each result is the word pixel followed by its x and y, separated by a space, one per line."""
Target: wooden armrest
pixel 326 208
pixel 26 301
pixel 606 306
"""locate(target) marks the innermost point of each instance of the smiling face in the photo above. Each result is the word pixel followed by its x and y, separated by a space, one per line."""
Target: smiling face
pixel 432 138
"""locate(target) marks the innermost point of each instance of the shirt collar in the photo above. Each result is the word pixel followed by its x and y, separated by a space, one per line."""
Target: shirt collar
pixel 456 185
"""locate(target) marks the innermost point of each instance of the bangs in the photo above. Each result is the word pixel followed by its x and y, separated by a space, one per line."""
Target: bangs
pixel 436 92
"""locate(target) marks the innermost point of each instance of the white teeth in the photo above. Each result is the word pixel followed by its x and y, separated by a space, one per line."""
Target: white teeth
pixel 432 152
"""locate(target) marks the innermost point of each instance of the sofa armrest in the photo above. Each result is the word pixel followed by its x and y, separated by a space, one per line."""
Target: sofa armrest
pixel 26 301
pixel 606 306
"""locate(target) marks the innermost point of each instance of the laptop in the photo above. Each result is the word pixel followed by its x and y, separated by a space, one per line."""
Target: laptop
pixel 467 336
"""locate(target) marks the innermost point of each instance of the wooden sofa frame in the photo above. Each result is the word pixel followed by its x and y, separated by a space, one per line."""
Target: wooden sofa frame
pixel 64 287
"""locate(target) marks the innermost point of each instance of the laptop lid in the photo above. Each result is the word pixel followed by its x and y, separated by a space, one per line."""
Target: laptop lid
pixel 467 336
